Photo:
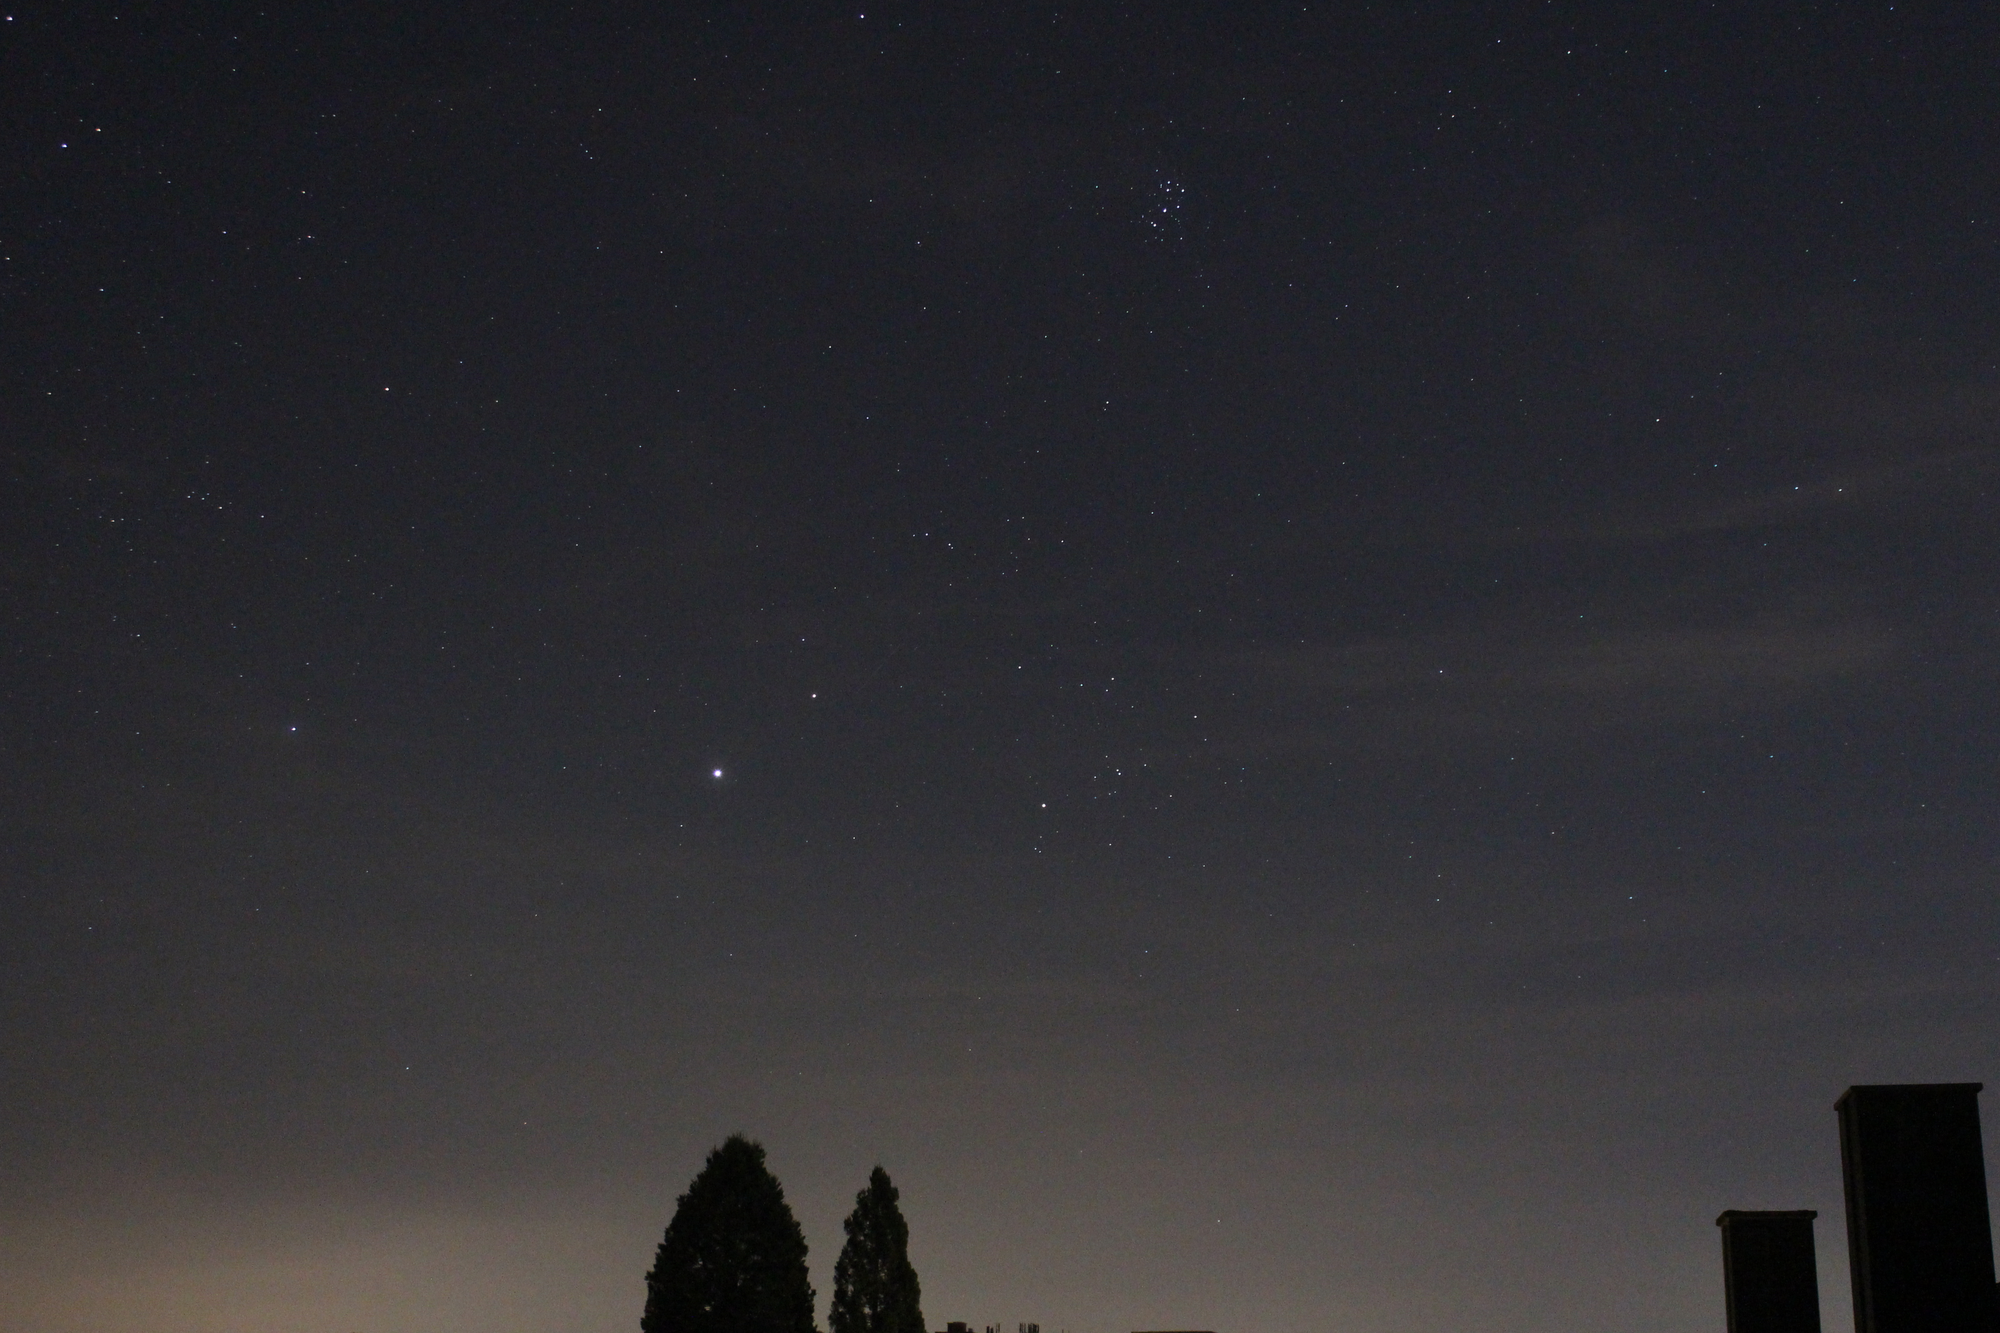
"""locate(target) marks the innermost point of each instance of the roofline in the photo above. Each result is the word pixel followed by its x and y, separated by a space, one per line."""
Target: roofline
pixel 1906 1087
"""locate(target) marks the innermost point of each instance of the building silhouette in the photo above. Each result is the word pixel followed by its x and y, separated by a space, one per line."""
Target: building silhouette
pixel 1919 1241
pixel 1919 1238
pixel 1770 1274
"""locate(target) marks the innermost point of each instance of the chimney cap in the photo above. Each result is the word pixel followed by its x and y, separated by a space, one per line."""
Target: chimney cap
pixel 1906 1087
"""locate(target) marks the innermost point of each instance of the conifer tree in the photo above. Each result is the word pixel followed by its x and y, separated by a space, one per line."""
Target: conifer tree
pixel 874 1287
pixel 733 1259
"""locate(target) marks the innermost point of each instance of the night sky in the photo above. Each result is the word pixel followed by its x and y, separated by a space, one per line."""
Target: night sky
pixel 1320 667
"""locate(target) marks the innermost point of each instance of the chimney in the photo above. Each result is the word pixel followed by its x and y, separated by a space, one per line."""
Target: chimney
pixel 1918 1238
pixel 1770 1282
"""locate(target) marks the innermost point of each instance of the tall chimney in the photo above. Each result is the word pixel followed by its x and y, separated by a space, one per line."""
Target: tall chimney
pixel 1919 1243
pixel 1770 1282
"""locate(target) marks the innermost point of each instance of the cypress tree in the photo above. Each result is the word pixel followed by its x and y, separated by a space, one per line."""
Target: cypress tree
pixel 874 1287
pixel 733 1259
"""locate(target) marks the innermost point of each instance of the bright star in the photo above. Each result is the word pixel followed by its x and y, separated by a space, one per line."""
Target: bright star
pixel 717 773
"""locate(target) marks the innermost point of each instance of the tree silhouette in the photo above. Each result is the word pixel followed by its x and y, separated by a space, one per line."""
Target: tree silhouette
pixel 874 1287
pixel 733 1259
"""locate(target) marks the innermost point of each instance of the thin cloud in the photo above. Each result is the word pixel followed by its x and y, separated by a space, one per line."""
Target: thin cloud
pixel 1474 684
pixel 1692 664
pixel 1851 489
